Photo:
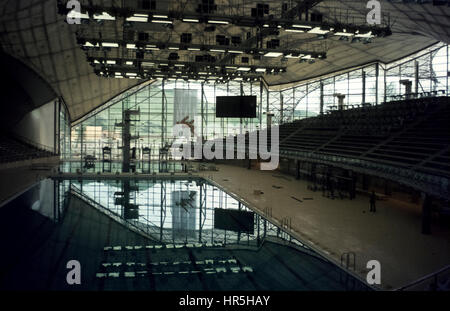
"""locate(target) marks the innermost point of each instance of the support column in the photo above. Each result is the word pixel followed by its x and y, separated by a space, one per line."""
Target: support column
pixel 281 108
pixel 416 77
pixel 377 73
pixel 321 97
pixel 363 87
pixel 261 86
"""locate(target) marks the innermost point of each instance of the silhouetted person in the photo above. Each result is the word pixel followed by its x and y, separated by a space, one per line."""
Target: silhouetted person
pixel 373 199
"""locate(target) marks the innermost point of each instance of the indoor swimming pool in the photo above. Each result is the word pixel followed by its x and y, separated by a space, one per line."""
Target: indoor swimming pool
pixel 153 234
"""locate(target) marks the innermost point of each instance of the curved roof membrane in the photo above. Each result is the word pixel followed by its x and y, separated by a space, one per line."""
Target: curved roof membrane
pixel 35 33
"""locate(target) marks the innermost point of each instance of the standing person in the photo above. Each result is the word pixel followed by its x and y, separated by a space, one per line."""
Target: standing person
pixel 373 199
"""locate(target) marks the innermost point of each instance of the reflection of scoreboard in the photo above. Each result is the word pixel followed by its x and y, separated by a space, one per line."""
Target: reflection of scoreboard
pixel 234 220
pixel 184 209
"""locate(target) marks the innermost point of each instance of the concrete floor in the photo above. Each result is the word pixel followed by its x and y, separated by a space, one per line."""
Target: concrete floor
pixel 392 235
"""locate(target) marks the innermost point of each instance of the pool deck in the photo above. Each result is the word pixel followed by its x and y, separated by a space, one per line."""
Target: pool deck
pixel 392 235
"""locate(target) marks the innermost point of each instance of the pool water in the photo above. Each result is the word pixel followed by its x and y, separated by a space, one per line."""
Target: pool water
pixel 172 234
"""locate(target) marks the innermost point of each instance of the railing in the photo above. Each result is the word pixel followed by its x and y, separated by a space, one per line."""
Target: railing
pixel 418 95
pixel 432 184
pixel 437 281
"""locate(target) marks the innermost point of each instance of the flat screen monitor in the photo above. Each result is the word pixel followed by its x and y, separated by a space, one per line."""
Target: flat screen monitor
pixel 236 106
pixel 234 220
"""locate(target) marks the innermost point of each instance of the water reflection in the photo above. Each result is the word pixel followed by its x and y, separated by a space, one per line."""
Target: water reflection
pixel 178 211
pixel 175 230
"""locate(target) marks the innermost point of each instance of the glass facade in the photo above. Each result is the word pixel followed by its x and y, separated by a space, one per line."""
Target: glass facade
pixel 372 84
pixel 159 104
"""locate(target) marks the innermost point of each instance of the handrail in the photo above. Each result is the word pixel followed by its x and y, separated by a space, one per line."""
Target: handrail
pixel 426 277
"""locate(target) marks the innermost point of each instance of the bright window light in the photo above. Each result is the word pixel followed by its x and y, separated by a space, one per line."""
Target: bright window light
pixel 131 46
pixel 260 70
pixel 131 74
pixel 217 50
pixel 244 69
pixel 193 49
pixel 235 52
pixel 129 63
pixel 111 62
pixel 273 54
pixel 173 48
pixel 160 16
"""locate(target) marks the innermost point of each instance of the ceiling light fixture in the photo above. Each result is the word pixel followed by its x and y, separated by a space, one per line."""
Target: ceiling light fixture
pixel 301 26
pixel 110 44
pixel 190 20
pixel 218 22
pixel 273 54
pixel 293 30
pixel 142 18
pixel 159 21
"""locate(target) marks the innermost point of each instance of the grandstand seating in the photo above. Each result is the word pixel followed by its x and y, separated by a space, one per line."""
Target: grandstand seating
pixel 411 134
pixel 11 149
pixel 408 133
